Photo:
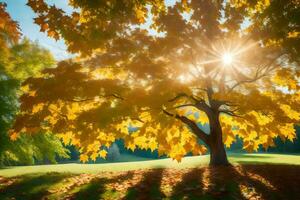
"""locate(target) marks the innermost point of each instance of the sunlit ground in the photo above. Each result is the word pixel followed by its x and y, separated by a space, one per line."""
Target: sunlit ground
pixel 188 162
pixel 245 180
pixel 238 182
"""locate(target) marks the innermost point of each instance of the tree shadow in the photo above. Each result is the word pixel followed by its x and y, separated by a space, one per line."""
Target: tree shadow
pixel 96 188
pixel 274 181
pixel 220 183
pixel 31 187
pixel 257 185
pixel 223 183
pixel 92 190
pixel 238 182
pixel 147 188
pixel 190 187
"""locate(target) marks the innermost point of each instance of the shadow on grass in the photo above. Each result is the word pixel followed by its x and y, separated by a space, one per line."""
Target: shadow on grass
pixel 224 183
pixel 261 163
pixel 240 182
pixel 191 186
pixel 147 188
pixel 208 183
pixel 230 183
pixel 31 187
pixel 275 181
pixel 92 190
pixel 96 188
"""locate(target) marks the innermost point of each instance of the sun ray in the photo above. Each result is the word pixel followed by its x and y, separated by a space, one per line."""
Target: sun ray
pixel 209 61
pixel 245 48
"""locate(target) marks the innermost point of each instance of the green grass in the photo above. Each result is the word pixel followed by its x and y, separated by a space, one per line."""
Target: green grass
pixel 187 162
pixel 123 158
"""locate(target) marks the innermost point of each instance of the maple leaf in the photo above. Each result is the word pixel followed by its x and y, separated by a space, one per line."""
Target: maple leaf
pixel 83 158
pixel 14 136
pixel 53 34
pixel 67 137
pixel 94 156
pixel 178 158
pixel 38 107
pixel 152 145
pixel 102 153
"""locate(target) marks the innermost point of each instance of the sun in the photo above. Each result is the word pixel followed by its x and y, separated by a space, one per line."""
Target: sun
pixel 227 58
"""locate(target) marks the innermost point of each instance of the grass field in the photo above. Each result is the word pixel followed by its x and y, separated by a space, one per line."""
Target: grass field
pixel 253 176
pixel 188 162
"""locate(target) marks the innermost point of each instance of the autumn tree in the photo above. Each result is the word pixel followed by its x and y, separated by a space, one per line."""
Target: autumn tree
pixel 152 72
pixel 20 59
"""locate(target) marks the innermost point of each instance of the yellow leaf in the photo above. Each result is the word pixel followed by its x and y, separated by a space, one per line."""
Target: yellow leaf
pixel 38 107
pixel 288 131
pixel 14 136
pixel 152 144
pixel 32 93
pixel 25 88
pixel 141 14
pixel 94 156
pixel 252 135
pixel 67 137
pixel 75 142
pixel 203 119
pixel 293 34
pixel 83 158
pixel 178 158
pixel 292 114
pixel 131 146
pixel 102 154
pixel 145 116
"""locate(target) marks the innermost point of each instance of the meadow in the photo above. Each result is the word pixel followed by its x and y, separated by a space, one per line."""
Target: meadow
pixel 251 176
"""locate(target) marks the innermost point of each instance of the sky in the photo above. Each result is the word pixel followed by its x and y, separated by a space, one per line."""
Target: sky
pixel 23 14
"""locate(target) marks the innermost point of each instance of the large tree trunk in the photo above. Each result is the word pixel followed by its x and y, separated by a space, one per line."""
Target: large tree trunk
pixel 218 156
pixel 213 140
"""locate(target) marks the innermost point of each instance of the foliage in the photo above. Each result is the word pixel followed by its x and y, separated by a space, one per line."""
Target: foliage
pixel 18 61
pixel 275 22
pixel 37 149
pixel 85 27
pixel 28 59
pixel 163 85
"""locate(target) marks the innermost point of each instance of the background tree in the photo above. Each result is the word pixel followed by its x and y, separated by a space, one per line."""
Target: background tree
pixel 113 153
pixel 18 61
pixel 200 66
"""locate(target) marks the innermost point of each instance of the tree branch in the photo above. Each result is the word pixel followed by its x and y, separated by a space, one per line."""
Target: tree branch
pixel 260 73
pixel 192 125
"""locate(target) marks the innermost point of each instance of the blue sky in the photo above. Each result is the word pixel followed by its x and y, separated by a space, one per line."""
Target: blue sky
pixel 23 14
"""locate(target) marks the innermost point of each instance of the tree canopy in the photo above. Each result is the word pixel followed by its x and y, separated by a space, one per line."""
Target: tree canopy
pixel 221 63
